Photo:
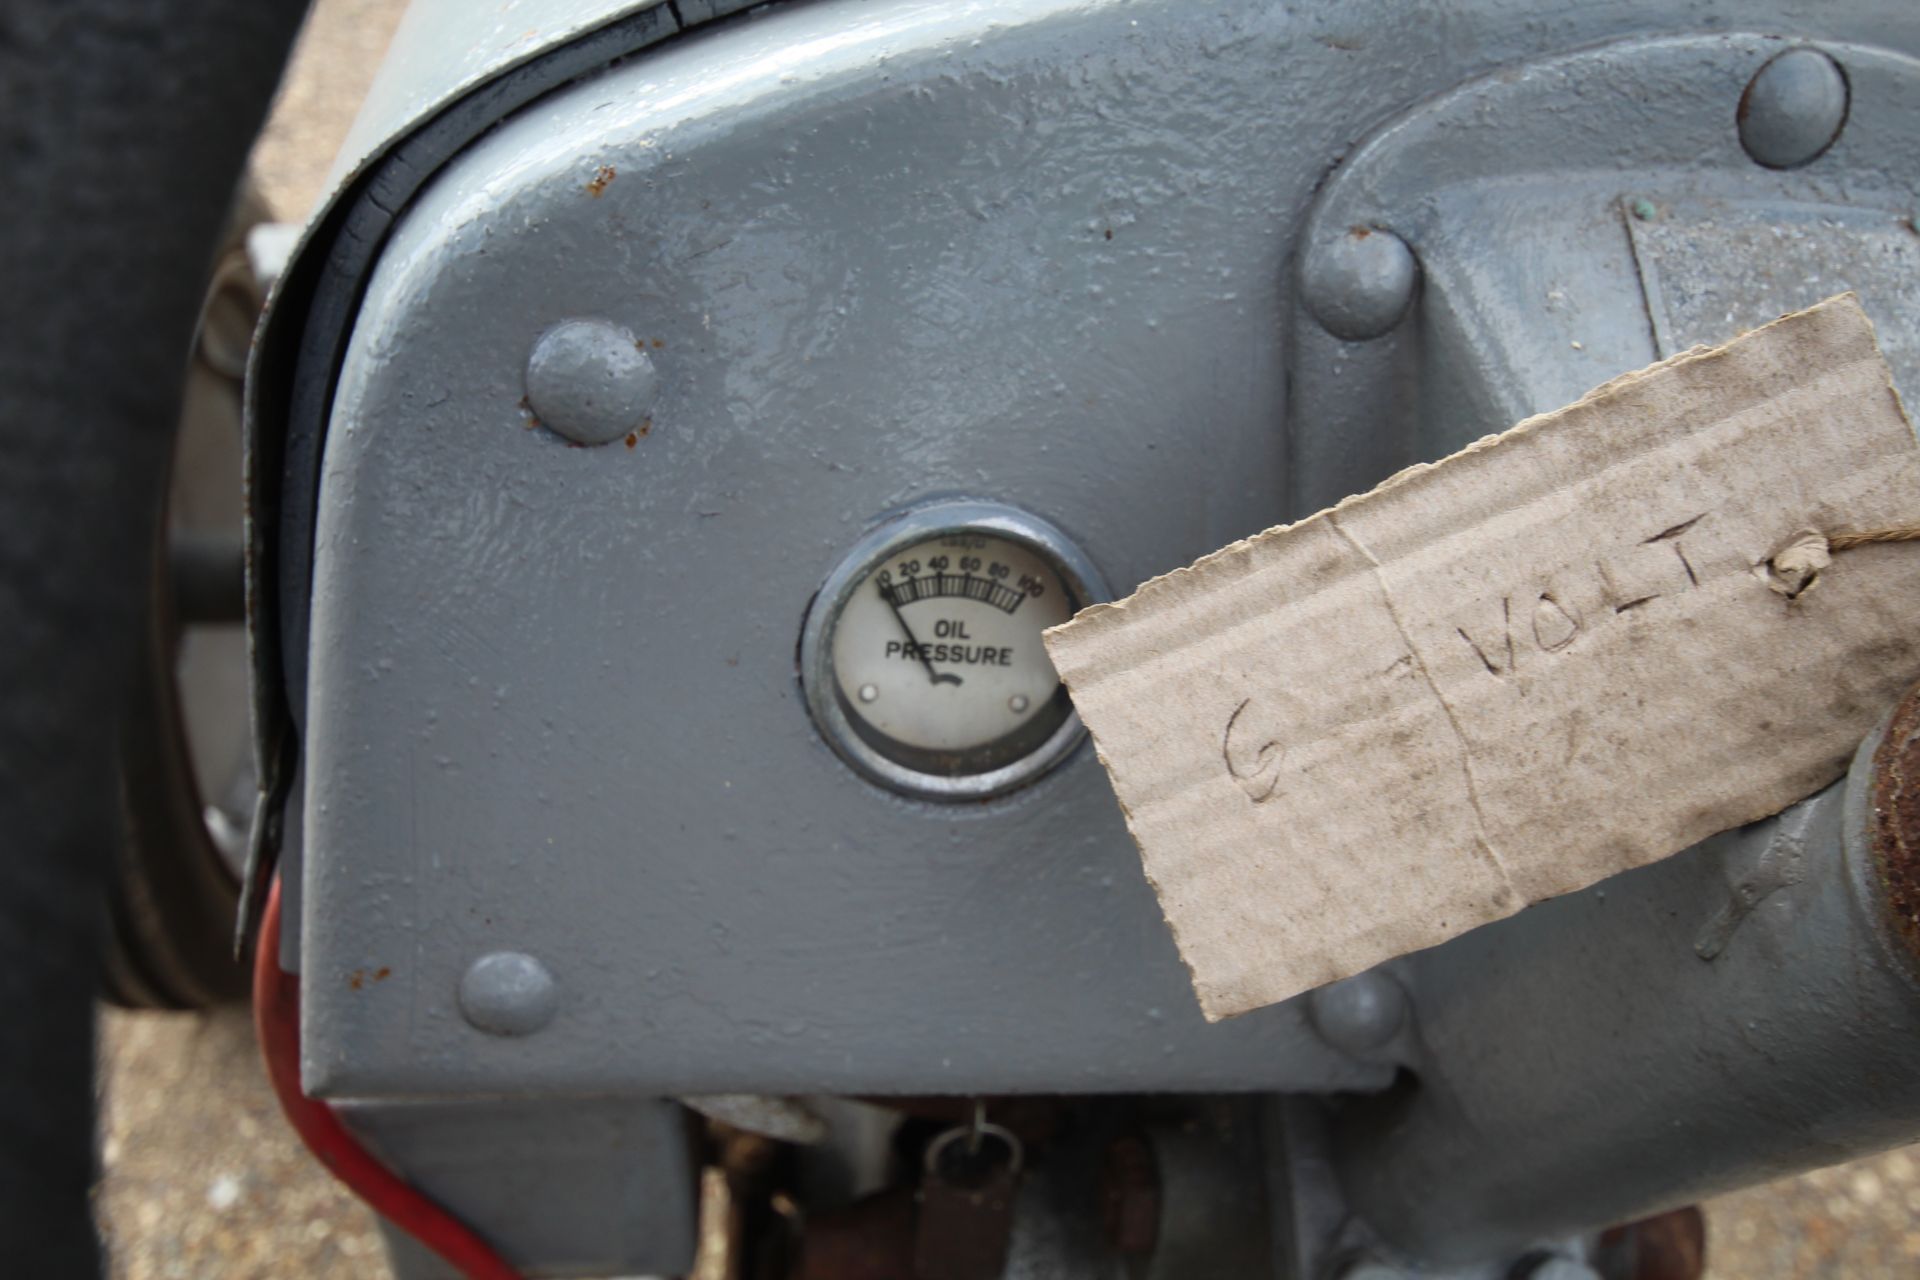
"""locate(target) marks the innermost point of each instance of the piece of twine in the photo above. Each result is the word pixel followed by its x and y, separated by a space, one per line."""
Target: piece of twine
pixel 1792 570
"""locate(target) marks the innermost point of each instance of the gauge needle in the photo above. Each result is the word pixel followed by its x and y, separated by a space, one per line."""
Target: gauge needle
pixel 937 677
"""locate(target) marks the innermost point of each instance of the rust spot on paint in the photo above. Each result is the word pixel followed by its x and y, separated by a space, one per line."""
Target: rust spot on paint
pixel 602 177
pixel 633 438
pixel 1895 823
pixel 359 978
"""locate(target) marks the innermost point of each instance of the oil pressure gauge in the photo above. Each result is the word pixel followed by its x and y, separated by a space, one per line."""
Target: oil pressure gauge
pixel 922 659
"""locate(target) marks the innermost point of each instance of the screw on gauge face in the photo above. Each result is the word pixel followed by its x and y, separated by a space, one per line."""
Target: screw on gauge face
pixel 508 993
pixel 1359 282
pixel 1793 109
pixel 588 380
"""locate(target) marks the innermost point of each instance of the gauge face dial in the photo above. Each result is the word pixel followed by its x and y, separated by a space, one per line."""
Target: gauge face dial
pixel 928 669
pixel 937 654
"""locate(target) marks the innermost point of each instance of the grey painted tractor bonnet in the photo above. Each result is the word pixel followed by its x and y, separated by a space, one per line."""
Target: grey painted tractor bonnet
pixel 616 343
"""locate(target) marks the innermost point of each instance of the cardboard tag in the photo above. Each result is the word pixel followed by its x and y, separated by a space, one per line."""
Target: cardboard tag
pixel 1556 655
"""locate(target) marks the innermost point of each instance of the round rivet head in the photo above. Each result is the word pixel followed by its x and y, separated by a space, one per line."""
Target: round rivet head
pixel 1793 109
pixel 508 994
pixel 589 381
pixel 1359 1014
pixel 1359 282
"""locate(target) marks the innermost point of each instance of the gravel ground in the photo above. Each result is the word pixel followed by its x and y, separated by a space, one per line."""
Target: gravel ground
pixel 1858 1221
pixel 339 50
pixel 202 1180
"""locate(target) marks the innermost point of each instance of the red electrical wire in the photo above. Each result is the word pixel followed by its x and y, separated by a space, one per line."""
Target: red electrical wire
pixel 276 1017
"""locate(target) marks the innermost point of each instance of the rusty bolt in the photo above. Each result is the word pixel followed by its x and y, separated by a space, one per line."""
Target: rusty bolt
pixel 1130 1196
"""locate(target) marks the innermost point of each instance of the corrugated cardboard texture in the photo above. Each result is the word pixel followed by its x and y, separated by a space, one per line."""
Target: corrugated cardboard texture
pixel 1553 656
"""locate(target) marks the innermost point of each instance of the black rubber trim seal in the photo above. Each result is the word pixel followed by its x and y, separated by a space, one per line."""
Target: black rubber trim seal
pixel 287 467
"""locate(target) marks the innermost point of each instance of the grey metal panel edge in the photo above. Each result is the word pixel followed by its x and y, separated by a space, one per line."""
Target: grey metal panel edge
pixel 445 49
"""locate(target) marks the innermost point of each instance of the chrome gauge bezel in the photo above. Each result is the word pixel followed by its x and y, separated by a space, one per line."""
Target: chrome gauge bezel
pixel 915 525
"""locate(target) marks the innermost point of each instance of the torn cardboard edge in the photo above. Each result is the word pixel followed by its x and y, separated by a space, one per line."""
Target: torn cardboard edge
pixel 1366 732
